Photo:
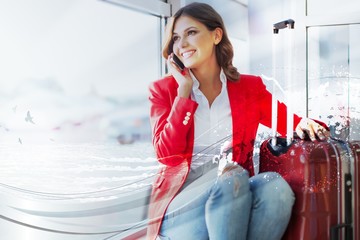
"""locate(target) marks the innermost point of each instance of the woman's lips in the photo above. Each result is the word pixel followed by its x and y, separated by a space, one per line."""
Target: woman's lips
pixel 187 54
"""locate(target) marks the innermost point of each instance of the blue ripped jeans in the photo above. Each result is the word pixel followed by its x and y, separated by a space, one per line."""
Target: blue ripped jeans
pixel 231 206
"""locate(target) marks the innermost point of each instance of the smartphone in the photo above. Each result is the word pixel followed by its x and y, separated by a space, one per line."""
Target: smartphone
pixel 177 61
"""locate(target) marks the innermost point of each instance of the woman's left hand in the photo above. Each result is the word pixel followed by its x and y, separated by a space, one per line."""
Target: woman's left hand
pixel 312 129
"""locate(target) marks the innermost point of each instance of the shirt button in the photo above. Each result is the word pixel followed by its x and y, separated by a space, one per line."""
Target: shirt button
pixel 188 113
pixel 185 122
pixel 187 118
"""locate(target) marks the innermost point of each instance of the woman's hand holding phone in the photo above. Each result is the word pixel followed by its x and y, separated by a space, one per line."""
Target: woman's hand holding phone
pixel 182 77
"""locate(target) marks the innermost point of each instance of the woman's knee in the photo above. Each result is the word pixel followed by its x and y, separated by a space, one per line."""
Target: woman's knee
pixel 233 178
pixel 271 189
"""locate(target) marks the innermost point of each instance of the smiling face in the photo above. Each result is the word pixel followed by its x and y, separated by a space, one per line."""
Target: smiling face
pixel 193 43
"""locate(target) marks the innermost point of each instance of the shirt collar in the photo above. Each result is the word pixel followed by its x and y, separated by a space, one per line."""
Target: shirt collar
pixel 196 84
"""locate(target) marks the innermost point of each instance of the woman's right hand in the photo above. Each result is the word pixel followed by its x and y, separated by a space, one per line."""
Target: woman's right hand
pixel 182 77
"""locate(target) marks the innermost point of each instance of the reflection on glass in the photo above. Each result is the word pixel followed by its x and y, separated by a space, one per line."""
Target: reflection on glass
pixel 334 78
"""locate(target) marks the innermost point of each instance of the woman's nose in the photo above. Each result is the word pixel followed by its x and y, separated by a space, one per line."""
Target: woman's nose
pixel 183 42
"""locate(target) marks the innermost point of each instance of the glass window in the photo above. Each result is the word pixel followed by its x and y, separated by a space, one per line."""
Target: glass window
pixel 76 68
pixel 334 78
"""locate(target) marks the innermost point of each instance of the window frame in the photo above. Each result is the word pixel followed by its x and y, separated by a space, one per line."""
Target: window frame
pixel 158 8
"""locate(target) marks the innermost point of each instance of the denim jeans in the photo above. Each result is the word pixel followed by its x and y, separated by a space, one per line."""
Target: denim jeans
pixel 230 206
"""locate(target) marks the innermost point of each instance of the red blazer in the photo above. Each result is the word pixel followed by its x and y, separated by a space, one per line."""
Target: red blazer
pixel 173 134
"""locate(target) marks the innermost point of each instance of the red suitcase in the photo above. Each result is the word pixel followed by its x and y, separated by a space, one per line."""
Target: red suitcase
pixel 324 176
pixel 320 174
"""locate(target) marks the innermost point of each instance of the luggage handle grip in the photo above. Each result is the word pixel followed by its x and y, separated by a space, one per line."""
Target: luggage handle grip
pixel 289 23
pixel 334 231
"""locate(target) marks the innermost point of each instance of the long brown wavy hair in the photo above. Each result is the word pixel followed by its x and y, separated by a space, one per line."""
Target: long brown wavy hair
pixel 205 14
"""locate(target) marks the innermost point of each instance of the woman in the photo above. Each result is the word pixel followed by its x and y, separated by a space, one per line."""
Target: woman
pixel 195 112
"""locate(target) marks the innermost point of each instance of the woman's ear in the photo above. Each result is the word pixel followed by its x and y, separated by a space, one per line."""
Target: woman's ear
pixel 218 33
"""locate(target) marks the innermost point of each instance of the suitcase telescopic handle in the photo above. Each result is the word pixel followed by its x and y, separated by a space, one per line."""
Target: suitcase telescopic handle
pixel 289 23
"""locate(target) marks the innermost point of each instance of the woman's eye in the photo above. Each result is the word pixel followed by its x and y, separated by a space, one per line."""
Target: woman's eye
pixel 175 38
pixel 191 32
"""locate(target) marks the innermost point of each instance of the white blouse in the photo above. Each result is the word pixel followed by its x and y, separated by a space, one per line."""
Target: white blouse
pixel 213 125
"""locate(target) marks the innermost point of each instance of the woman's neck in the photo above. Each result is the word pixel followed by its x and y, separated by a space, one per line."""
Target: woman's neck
pixel 209 80
pixel 207 76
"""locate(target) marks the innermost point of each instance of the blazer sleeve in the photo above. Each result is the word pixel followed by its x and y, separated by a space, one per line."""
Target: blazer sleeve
pixel 265 99
pixel 171 119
